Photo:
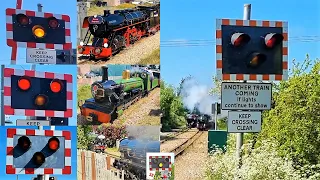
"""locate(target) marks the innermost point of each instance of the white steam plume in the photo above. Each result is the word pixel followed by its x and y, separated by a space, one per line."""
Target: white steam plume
pixel 196 95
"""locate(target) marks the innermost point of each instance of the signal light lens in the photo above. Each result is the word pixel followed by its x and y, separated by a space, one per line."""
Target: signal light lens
pixel 257 59
pixel 23 19
pixel 273 39
pixel 38 158
pixel 41 100
pixel 24 142
pixel 55 86
pixel 160 165
pixel 239 39
pixel 24 84
pixel 38 31
pixel 54 144
pixel 53 22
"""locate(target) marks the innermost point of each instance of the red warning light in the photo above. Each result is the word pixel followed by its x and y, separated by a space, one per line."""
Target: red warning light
pixel 53 22
pixel 23 19
pixel 239 39
pixel 24 84
pixel 55 86
pixel 24 143
pixel 54 144
pixel 273 39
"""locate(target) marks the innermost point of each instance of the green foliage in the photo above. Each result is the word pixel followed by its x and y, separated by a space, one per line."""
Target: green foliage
pixel 262 163
pixel 83 137
pixel 84 92
pixel 172 172
pixel 172 108
pixel 222 123
pixel 294 122
pixel 157 175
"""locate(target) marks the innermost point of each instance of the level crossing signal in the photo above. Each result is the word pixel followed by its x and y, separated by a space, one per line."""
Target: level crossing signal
pixel 32 151
pixel 44 94
pixel 31 29
pixel 251 50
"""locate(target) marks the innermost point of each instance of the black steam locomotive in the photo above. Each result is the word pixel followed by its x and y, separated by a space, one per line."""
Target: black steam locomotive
pixel 133 157
pixel 112 32
pixel 204 122
pixel 200 121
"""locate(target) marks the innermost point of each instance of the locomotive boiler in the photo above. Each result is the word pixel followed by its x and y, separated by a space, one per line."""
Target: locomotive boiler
pixel 111 97
pixel 133 156
pixel 204 122
pixel 112 32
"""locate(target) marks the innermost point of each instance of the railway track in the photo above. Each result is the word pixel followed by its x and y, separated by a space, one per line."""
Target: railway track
pixel 175 135
pixel 182 146
pixel 178 150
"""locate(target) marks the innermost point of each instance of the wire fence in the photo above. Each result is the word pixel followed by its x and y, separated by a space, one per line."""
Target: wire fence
pixel 212 42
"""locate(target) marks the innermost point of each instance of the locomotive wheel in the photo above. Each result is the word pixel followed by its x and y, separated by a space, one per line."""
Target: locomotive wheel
pixel 114 116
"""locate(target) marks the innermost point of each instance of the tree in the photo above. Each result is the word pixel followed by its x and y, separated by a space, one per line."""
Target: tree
pixel 83 137
pixel 294 122
pixel 172 107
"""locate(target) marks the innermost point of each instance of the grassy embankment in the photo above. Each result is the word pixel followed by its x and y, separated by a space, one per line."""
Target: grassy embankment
pixel 153 58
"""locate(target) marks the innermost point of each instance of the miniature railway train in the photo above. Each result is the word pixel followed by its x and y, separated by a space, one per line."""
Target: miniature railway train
pixel 133 157
pixel 111 97
pixel 113 32
pixel 201 121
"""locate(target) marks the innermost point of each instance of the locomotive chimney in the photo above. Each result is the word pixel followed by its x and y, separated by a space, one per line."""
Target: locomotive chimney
pixel 104 73
pixel 126 74
pixel 106 12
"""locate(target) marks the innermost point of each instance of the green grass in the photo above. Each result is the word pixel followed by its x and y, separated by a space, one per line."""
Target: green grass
pixel 113 149
pixel 84 92
pixel 153 58
pixel 95 10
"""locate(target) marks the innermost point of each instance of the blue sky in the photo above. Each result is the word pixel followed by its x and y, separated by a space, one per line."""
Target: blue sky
pixel 57 6
pixel 3 143
pixel 195 20
pixel 62 69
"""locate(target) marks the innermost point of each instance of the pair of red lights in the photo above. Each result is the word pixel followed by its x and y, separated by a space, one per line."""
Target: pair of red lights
pixel 25 20
pixel 270 40
pixel 24 84
pixel 38 158
pixel 24 143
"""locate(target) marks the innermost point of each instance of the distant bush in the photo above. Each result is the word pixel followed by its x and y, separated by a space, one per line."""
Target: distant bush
pixel 172 108
pixel 112 133
pixel 222 123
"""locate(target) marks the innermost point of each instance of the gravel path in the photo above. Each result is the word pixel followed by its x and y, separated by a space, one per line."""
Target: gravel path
pixel 177 141
pixel 194 158
pixel 132 54
pixel 146 111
